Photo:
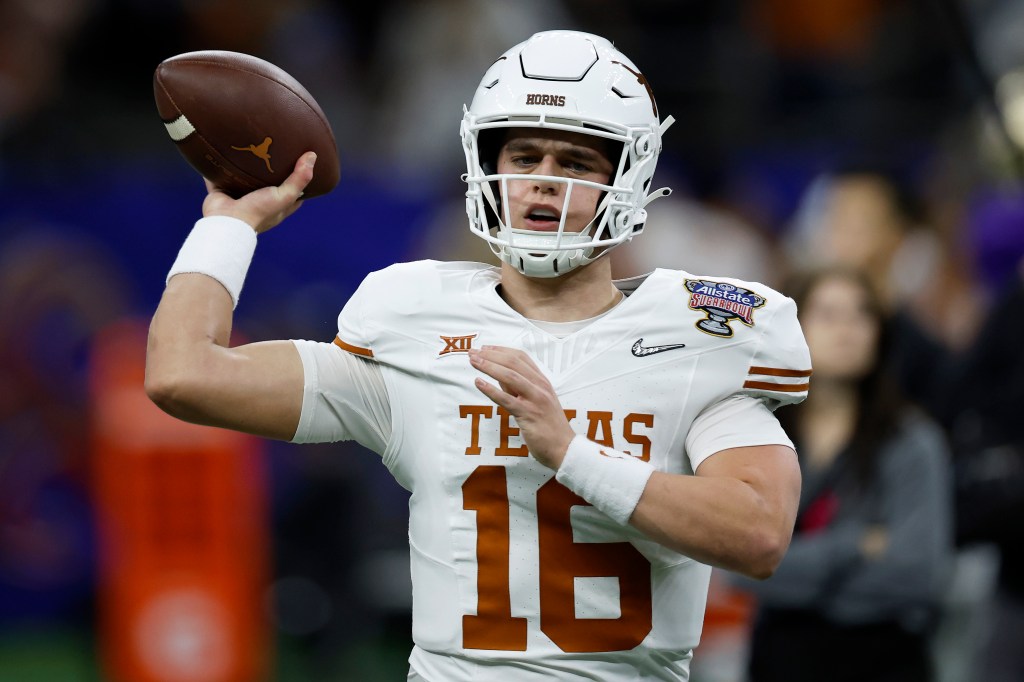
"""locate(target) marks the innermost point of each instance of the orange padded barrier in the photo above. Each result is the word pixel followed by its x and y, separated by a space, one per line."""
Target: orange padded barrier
pixel 184 547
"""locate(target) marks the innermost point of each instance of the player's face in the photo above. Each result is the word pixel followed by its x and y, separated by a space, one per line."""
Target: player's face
pixel 538 205
pixel 841 329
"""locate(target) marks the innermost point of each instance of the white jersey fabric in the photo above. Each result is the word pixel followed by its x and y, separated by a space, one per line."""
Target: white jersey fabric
pixel 514 576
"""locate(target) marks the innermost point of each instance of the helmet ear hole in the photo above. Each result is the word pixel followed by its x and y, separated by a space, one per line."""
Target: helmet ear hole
pixel 489 143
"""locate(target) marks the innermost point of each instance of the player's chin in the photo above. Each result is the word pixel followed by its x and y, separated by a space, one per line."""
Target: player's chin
pixel 546 226
pixel 540 225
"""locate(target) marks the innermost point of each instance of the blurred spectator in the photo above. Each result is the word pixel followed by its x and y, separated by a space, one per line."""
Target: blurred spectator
pixel 867 218
pixel 872 218
pixel 857 594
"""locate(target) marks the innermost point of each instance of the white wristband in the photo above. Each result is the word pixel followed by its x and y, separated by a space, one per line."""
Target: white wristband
pixel 610 480
pixel 220 247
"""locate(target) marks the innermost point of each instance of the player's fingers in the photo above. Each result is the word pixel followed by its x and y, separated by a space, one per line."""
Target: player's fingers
pixel 295 183
pixel 289 209
pixel 216 201
pixel 516 360
pixel 497 396
pixel 510 381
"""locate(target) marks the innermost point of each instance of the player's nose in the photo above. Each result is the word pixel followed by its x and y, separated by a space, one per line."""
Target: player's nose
pixel 548 166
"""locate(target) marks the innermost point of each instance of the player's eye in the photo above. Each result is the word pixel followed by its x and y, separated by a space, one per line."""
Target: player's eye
pixel 524 160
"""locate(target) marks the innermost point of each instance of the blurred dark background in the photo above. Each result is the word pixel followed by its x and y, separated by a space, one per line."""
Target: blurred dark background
pixel 770 97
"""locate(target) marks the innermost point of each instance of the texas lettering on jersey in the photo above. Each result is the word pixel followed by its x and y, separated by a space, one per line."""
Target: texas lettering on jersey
pixel 602 426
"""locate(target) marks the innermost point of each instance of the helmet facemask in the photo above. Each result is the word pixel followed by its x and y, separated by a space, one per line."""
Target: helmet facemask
pixel 620 212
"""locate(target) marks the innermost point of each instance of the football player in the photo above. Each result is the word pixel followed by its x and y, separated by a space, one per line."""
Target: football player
pixel 580 451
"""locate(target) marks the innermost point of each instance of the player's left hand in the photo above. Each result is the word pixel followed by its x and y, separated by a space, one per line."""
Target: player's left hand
pixel 527 395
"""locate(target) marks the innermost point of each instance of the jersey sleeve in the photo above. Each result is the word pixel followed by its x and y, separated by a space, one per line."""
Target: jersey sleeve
pixel 780 367
pixel 344 397
pixel 737 421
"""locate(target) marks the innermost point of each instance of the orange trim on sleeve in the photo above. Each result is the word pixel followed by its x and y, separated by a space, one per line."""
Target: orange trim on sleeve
pixel 782 388
pixel 780 372
pixel 356 350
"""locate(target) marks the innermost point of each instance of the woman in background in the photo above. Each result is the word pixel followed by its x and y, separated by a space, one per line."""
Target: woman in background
pixel 856 594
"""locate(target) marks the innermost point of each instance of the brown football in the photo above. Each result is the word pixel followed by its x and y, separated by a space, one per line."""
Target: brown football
pixel 242 122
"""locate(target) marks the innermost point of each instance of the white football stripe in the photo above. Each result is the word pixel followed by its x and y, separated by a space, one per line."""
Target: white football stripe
pixel 179 128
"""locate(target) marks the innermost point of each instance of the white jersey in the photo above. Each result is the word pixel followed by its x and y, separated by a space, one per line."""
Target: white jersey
pixel 514 576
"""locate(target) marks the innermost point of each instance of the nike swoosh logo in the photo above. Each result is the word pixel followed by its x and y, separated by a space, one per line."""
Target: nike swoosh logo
pixel 641 351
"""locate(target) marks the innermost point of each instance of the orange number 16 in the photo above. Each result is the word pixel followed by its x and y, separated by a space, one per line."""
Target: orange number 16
pixel 561 561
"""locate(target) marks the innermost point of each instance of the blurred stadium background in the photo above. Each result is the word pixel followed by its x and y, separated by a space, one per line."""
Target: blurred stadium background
pixel 133 548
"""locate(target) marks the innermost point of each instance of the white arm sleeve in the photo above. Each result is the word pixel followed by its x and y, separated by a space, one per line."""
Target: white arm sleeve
pixel 343 398
pixel 735 422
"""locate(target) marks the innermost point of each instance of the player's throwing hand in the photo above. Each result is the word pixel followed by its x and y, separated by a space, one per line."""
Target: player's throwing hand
pixel 266 207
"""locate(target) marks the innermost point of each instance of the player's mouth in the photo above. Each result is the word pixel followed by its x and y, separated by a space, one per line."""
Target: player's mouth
pixel 541 219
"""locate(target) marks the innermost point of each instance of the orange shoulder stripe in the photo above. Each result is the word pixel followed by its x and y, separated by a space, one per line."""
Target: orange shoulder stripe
pixel 780 372
pixel 356 350
pixel 782 388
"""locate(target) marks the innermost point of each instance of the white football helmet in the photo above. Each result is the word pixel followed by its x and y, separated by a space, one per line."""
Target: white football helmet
pixel 577 82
